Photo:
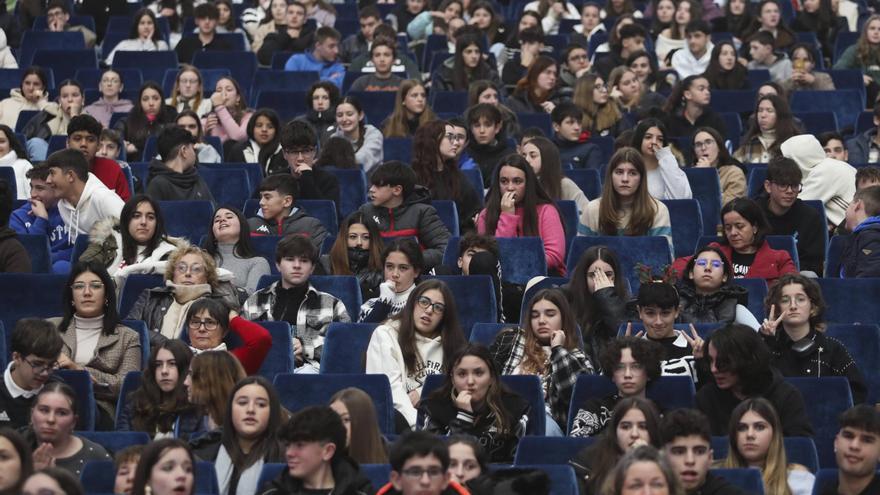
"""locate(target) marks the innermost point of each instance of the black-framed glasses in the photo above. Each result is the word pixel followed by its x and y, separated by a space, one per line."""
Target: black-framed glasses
pixel 425 303
pixel 789 187
pixel 40 368
pixel 299 151
pixel 208 324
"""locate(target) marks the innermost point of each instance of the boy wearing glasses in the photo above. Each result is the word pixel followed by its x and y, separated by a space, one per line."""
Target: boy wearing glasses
pixel 788 215
pixel 420 465
pixel 294 300
pixel 299 142
pixel 317 460
pixel 36 346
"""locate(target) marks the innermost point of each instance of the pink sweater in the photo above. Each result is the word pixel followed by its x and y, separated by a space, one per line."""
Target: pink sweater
pixel 550 226
pixel 229 128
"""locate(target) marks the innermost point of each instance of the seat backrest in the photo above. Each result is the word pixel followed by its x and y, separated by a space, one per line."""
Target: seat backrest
pixel 522 258
pixel 26 295
pixel 833 254
pixel 345 347
pixel 242 65
pixel 32 41
pixel 653 251
pixel 280 357
pixel 300 390
pixel 747 479
pixel 448 213
pixel 397 148
pixel 37 247
pixel 845 103
pixel 851 300
pixel 324 210
pixel 539 120
pixel 863 344
pixel 3 358
pixel 686 220
pixel 549 450
pixel 474 298
pixel 570 217
pixel 588 180
pixel 288 103
pixel 345 287
pixel 827 398
pixel 134 285
pixel 81 382
pixel 270 471
pixel 190 219
pixel 734 100
pixel 114 441
pixel 757 288
pixel 130 383
pixel 228 186
pixel 352 189
pixel 485 333
pixel 206 479
pixel 65 61
pixel 475 177
pixel 152 64
pixel 98 477
pixel 706 189
pixel 141 328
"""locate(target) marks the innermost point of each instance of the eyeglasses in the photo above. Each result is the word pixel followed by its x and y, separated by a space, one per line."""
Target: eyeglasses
pixel 789 187
pixel 299 151
pixel 704 144
pixel 417 473
pixel 208 324
pixel 455 137
pixel 195 268
pixel 189 81
pixel 39 369
pixel 703 262
pixel 81 286
pixel 425 303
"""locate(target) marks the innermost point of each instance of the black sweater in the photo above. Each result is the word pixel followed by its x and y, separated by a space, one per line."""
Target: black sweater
pixel 807 227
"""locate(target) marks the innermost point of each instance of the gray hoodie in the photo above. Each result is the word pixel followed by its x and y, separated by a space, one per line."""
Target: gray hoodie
pixel 831 181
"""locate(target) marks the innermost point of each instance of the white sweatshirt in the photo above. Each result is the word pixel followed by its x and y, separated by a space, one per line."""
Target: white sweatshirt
pixel 384 357
pixel 21 167
pixel 831 181
pixel 97 202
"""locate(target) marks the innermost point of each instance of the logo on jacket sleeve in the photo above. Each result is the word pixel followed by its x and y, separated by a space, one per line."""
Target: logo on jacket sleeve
pixel 263 228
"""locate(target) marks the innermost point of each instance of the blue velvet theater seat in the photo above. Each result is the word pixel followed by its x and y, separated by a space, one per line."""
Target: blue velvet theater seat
pixel 539 120
pixel 569 213
pixel 521 258
pixel 141 328
pixel 114 441
pixel 825 399
pixel 65 61
pixel 845 103
pixel 37 247
pixel 24 295
pixel 132 288
pixel 653 251
pixel 300 390
pixel 378 105
pixel 450 101
pixel 686 220
pixel 757 288
pixel 588 180
pixel 398 148
pixel 32 41
pixel 863 344
pixel 190 219
pixel 549 450
pixel 734 100
pixel 485 333
pixel 474 298
pixel 228 186
pixel 448 213
pixel 130 383
pixel 352 189
pixel 475 177
pixel 81 382
pixel 241 64
pixel 852 300
pixel 288 103
pixel 833 254
pixel 818 122
pixel 747 479
pixel 280 357
pixel 706 189
pixel 151 64
pixel 345 347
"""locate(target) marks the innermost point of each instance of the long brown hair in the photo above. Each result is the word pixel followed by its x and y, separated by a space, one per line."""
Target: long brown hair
pixel 449 329
pixel 426 159
pixel 785 125
pixel 866 53
pixel 535 195
pixel 175 92
pixel 535 361
pixel 775 468
pixel 267 447
pixel 397 125
pixel 240 108
pixel 214 374
pixel 551 166
pixel 595 116
pixel 528 85
pixel 365 445
pixel 152 409
pixel 644 207
pixel 339 263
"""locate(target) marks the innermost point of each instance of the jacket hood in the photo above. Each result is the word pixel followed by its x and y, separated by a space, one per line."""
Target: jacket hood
pixel 6 233
pixel 184 180
pixel 419 194
pixel 346 476
pixel 805 150
pixel 870 223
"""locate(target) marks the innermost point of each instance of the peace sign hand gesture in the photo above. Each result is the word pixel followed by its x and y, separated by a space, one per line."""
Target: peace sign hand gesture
pixel 696 342
pixel 772 323
pixel 629 331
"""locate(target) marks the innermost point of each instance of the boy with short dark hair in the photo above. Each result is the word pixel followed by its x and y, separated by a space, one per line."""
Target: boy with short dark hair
pixel 788 215
pixel 125 463
pixel 323 59
pixel 404 65
pixel 861 251
pixel 206 39
pixel 58 20
pixel 293 299
pixel 764 57
pixel 173 177
pixel 857 451
pixel 632 39
pixel 865 147
pixel 279 217
pixel 317 459
pixel 358 44
pixel 478 254
pixel 83 134
pixel 399 207
pixel 486 148
pixel 573 144
pixel 108 144
pixel 295 35
pixel 694 59
pixel 834 145
pixel 35 347
pixel 867 177
pixel 687 443
pixel 419 465
pixel 40 215
pixel 299 143
pixel 383 51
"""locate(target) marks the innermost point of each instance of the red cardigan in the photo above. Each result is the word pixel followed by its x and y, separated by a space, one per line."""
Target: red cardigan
pixel 256 342
pixel 769 263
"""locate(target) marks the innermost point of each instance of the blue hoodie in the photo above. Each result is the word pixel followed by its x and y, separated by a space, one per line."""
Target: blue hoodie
pixel 860 256
pixel 23 222
pixel 327 71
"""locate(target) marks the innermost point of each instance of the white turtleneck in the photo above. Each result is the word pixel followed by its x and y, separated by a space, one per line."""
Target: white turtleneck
pixel 88 331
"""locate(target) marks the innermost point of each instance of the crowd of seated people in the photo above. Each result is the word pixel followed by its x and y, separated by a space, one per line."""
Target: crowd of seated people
pixel 426 147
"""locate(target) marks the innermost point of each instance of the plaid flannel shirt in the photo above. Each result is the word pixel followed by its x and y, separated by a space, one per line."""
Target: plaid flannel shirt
pixel 565 366
pixel 317 311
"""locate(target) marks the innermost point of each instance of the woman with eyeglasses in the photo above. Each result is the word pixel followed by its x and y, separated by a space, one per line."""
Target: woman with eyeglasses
pixel 707 292
pixel 418 341
pixel 209 325
pixel 710 152
pixel 94 338
pixel 190 274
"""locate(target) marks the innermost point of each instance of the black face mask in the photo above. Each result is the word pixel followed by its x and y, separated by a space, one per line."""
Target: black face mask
pixel 358 257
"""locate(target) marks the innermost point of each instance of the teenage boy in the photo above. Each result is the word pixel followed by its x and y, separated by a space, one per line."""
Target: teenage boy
pixel 420 466
pixel 83 134
pixel 478 254
pixel 568 135
pixel 295 36
pixel 695 59
pixel 632 39
pixel 531 42
pixel 358 44
pixel 36 346
pixel 206 39
pixel 861 252
pixel 174 177
pixel 834 145
pixel 788 215
pixel 294 300
pixel 761 49
pixel 125 464
pixel 279 217
pixel 865 148
pixel 867 177
pixel 487 147
pixel 299 143
pixel 460 135
pixel 687 443
pixel 58 20
pixel 857 451
pixel 317 460
pixel 576 62
pixel 40 215
pixel 404 66
pixel 108 144
pixel 382 52
pixel 323 59
pixel 82 198
pixel 632 364
pixel 401 208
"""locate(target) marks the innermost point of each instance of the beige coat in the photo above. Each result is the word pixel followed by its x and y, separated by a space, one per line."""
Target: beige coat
pixel 12 106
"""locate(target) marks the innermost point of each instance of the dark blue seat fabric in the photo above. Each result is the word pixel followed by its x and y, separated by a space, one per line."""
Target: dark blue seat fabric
pixel 270 471
pixel 863 344
pixel 686 220
pixel 132 288
pixel 827 398
pixel 852 300
pixel 378 474
pixel 757 288
pixel 32 41
pixel 190 219
pixel 474 298
pixel 845 103
pixel 26 295
pixel 448 213
pixel 540 120
pixel 757 77
pixel 747 479
pixel 833 253
pixel 450 101
pixel 568 211
pixel 324 210
pixel 141 328
pixel 280 358
pixel 242 65
pixel 734 100
pixel 11 78
pixel 288 103
pixel 37 247
pixel 475 177
pixel 81 382
pixel 253 170
pixel 734 126
pixel 130 383
pixel 649 250
pixel 485 333
pixel 3 351
pixel 706 189
pixel 206 479
pixel 352 189
pixel 864 122
pixel 562 478
pixel 345 347
pixel 151 64
pixel 549 450
pixel 378 105
pixel 397 148
pixel 587 179
pixel 756 178
pixel 24 117
pixel 521 257
pixel 65 61
pixel 818 122
pixel 228 186
pixel 57 143
pixel 98 477
pixel 798 450
pixel 300 390
pixel 114 441
pixel 527 386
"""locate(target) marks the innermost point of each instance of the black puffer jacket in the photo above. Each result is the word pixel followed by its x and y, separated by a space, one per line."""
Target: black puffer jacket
pixel 347 478
pixel 718 307
pixel 358 263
